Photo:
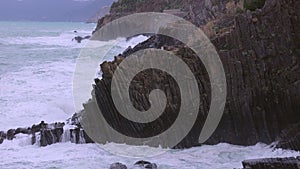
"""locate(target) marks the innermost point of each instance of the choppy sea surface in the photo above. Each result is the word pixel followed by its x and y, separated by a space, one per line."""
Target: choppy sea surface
pixel 37 63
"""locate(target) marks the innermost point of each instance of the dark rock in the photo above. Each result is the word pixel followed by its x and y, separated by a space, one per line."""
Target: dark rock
pixel 290 138
pixel 75 135
pixel 79 38
pixel 74 120
pixel 259 54
pixel 118 166
pixel 51 134
pixel 23 131
pixel 33 139
pixel 43 125
pixel 2 136
pixel 10 134
pixel 129 49
pixel 151 166
pixel 273 163
pixel 142 162
pixel 79 136
pixel 127 7
pixel 146 164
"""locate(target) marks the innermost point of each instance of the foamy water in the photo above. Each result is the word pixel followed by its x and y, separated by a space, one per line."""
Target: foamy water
pixel 19 154
pixel 37 63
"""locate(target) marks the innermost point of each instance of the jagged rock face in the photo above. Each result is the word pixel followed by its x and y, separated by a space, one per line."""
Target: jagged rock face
pixel 278 163
pixel 125 7
pixel 199 12
pixel 48 133
pixel 260 54
pixel 203 11
pixel 290 138
pixel 51 136
pixel 263 74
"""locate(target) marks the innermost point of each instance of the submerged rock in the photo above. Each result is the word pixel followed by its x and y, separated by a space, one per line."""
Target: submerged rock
pixel 79 38
pixel 138 165
pixel 118 166
pixel 145 165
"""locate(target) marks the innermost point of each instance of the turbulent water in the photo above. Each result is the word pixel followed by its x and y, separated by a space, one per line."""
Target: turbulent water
pixel 37 63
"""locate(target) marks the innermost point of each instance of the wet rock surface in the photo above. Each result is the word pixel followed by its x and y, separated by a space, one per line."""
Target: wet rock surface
pixel 2 136
pixel 290 138
pixel 79 38
pixel 138 165
pixel 51 134
pixel 278 163
pixel 44 134
pixel 118 166
pixel 146 165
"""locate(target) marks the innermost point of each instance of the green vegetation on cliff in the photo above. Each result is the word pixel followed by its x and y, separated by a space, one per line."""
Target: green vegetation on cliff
pixel 252 5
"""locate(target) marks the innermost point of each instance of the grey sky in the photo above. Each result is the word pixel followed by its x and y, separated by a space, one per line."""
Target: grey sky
pixel 50 10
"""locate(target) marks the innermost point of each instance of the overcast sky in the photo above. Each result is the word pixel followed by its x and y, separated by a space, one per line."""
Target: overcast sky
pixel 50 10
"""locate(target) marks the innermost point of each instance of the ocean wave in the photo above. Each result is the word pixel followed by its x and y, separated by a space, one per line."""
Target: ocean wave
pixel 63 40
pixel 69 155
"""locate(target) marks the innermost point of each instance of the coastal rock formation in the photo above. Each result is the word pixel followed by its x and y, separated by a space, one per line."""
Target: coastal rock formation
pixel 127 7
pixel 259 49
pixel 44 134
pixel 278 163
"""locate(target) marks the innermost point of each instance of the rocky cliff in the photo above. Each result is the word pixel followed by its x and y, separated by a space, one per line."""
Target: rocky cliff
pixel 258 43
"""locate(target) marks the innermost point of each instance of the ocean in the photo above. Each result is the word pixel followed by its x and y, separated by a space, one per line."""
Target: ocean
pixel 37 64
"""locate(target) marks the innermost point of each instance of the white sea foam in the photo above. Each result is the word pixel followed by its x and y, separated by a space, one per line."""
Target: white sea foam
pixel 19 154
pixel 63 40
pixel 37 92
